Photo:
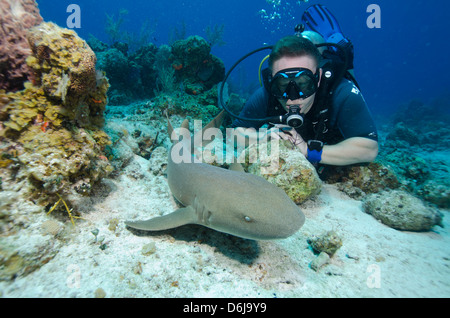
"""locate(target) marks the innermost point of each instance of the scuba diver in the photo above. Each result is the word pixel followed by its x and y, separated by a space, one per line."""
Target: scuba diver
pixel 312 98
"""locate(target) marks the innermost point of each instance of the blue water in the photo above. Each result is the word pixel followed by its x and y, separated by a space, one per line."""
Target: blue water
pixel 405 59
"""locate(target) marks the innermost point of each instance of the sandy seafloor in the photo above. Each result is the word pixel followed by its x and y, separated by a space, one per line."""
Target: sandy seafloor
pixel 193 261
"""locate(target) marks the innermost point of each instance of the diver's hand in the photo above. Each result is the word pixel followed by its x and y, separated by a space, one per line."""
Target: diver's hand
pixel 285 132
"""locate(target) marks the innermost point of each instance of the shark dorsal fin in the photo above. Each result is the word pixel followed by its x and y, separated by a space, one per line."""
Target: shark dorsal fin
pixel 174 137
pixel 185 124
pixel 215 123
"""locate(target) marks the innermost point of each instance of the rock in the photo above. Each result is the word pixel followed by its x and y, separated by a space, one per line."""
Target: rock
pixel 358 180
pixel 437 192
pixel 329 243
pixel 148 249
pixel 402 211
pixel 51 227
pixel 321 260
pixel 287 168
pixel 99 293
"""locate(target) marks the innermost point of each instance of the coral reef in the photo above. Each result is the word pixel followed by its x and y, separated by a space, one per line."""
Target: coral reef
pixel 131 76
pixel 52 148
pixel 413 156
pixel 417 114
pixel 64 68
pixel 360 180
pixel 416 146
pixel 145 58
pixel 400 210
pixel 425 173
pixel 51 131
pixel 202 107
pixel 117 34
pixel 16 17
pixel 214 35
pixel 195 66
pixel 166 72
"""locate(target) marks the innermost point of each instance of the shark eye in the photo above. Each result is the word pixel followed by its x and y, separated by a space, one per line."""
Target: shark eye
pixel 247 218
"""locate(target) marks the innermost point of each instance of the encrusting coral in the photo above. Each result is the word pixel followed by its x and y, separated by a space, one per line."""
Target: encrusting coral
pixel 51 131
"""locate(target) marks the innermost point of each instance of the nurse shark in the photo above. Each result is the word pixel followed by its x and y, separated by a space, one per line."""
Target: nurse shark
pixel 227 200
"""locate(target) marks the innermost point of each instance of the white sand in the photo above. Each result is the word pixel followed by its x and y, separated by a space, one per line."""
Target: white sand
pixel 192 261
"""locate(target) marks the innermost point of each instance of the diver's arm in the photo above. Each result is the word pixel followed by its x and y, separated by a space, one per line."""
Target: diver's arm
pixel 350 151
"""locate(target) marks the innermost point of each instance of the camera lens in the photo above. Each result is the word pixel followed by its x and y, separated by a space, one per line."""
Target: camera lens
pixel 294 118
pixel 295 121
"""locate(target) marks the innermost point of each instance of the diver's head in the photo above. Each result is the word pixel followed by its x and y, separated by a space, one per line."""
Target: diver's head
pixel 293 46
pixel 315 38
pixel 295 73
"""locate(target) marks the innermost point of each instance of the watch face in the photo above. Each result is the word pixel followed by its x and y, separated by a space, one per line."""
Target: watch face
pixel 315 145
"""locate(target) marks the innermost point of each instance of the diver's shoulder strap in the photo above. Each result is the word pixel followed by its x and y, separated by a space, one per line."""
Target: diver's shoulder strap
pixel 266 76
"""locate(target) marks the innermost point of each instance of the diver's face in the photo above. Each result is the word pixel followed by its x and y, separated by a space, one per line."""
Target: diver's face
pixel 296 62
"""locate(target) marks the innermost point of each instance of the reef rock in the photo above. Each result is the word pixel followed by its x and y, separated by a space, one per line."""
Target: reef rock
pixel 437 192
pixel 195 65
pixel 358 180
pixel 287 168
pixel 329 243
pixel 64 66
pixel 16 17
pixel 131 76
pixel 402 211
pixel 51 131
pixel 402 132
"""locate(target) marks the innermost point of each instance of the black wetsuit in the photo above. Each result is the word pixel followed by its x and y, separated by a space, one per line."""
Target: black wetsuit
pixel 349 115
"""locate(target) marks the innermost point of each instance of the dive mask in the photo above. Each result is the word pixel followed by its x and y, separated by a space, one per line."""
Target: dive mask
pixel 294 83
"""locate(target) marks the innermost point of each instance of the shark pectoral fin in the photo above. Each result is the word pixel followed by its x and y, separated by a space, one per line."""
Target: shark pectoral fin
pixel 177 218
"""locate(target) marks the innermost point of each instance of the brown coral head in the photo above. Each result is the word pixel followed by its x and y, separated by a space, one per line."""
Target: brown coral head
pixel 43 52
pixel 84 78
